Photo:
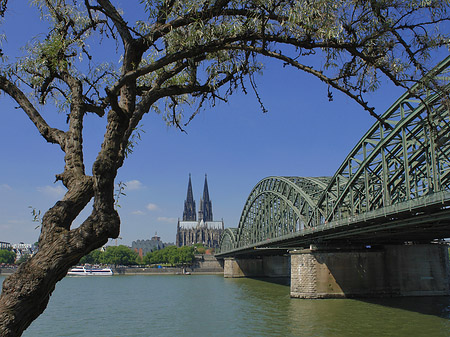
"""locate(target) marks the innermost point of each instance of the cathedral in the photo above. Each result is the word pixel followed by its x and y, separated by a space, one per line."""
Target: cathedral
pixel 204 229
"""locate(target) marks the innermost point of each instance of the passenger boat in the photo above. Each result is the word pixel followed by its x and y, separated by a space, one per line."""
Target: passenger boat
pixel 88 270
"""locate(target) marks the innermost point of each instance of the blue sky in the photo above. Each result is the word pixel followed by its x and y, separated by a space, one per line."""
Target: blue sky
pixel 235 144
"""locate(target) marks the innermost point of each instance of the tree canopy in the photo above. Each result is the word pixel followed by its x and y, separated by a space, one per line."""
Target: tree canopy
pixel 119 255
pixel 171 255
pixel 94 257
pixel 179 57
pixel 7 256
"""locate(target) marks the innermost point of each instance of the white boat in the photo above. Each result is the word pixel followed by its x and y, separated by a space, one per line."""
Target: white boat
pixel 88 270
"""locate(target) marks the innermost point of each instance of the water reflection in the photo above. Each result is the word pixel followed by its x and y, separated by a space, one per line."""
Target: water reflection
pixel 422 316
pixel 214 306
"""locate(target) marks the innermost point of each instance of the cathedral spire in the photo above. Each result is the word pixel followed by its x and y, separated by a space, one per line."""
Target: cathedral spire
pixel 205 190
pixel 206 205
pixel 189 213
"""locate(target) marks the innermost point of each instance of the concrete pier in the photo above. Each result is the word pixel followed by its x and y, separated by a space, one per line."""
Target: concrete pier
pixel 391 270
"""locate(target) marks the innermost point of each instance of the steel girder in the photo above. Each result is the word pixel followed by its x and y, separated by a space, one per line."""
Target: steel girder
pixel 399 161
pixel 228 239
pixel 278 206
pixel 404 158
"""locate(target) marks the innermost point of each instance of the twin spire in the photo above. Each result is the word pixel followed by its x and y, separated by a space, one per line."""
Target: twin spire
pixel 205 210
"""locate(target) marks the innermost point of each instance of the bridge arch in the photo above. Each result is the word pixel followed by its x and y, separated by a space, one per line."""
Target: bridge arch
pixel 404 158
pixel 278 206
pixel 403 161
pixel 228 239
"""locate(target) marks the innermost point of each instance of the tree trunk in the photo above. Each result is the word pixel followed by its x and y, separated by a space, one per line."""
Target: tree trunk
pixel 26 293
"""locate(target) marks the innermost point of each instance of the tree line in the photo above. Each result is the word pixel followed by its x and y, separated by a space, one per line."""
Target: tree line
pixel 171 255
pixel 123 255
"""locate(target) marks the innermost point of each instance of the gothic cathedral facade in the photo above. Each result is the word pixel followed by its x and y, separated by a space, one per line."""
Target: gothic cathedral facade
pixel 204 229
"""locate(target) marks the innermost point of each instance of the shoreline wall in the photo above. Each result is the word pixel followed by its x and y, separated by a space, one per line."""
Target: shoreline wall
pixel 203 265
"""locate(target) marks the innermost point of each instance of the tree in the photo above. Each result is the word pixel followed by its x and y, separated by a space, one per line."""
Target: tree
pixel 159 256
pixel 119 255
pixel 93 257
pixel 139 260
pixel 186 255
pixel 7 256
pixel 180 57
pixel 172 255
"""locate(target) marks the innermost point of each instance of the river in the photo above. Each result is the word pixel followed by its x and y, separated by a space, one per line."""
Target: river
pixel 209 305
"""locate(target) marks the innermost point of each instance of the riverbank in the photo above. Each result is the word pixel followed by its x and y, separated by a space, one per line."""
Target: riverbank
pixel 203 265
pixel 163 271
pixel 7 270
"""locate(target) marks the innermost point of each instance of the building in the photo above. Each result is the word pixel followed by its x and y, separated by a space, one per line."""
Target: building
pixel 24 249
pixel 142 247
pixel 5 245
pixel 204 229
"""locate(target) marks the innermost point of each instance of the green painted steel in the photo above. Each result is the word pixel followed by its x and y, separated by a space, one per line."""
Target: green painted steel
pixel 398 167
pixel 228 239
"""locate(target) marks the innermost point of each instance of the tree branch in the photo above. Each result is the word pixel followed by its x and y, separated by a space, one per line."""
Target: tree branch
pixel 110 11
pixel 51 135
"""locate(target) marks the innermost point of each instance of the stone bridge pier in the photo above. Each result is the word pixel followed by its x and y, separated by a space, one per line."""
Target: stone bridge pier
pixel 389 270
pixel 340 272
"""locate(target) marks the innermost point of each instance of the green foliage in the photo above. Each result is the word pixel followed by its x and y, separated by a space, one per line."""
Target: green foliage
pixel 119 255
pixel 139 260
pixel 7 256
pixel 53 52
pixel 94 257
pixel 195 48
pixel 199 248
pixel 118 193
pixel 171 255
pixel 186 255
pixel 134 139
pixel 114 255
pixel 354 38
pixel 37 216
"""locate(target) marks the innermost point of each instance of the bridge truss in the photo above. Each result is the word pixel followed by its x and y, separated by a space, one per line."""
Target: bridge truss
pixel 393 186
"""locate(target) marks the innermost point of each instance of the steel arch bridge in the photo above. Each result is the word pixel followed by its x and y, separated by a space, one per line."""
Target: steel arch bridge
pixel 392 187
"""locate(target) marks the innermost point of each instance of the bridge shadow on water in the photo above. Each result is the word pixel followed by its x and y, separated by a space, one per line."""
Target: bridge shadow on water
pixel 438 306
pixel 284 281
pixel 428 305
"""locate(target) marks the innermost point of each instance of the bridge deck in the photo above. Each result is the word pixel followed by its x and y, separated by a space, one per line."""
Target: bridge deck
pixel 418 220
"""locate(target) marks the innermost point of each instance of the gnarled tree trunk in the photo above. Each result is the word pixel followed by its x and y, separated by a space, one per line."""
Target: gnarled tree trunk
pixel 26 293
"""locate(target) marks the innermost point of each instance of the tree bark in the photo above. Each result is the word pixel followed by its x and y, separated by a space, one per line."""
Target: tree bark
pixel 26 293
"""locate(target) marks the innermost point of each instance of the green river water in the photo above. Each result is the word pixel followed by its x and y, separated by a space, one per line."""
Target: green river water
pixel 209 305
